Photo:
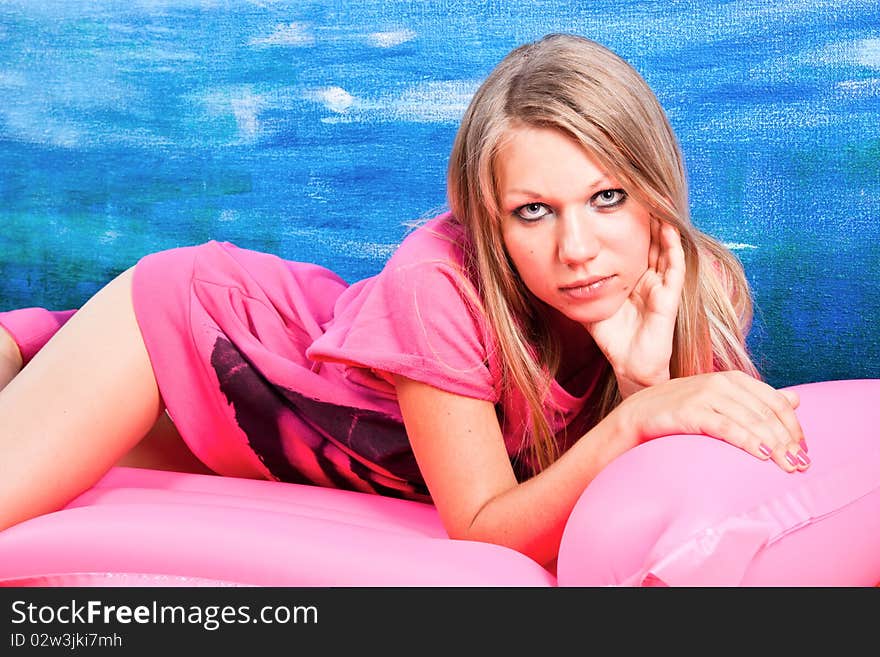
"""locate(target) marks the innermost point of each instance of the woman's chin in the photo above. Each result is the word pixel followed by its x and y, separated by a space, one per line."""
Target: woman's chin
pixel 591 312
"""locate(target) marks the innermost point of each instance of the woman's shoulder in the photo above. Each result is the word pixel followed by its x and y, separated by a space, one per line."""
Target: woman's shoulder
pixel 419 317
pixel 438 240
pixel 433 264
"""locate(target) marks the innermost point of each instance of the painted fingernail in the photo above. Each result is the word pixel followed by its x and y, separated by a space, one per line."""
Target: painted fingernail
pixel 804 446
pixel 792 461
pixel 802 457
pixel 766 451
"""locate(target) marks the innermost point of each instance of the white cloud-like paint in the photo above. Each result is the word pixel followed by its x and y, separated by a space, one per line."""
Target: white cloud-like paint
pixel 434 102
pixel 336 99
pixel 391 38
pixel 427 102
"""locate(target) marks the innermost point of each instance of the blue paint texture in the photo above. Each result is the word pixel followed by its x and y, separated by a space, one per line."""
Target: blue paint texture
pixel 315 130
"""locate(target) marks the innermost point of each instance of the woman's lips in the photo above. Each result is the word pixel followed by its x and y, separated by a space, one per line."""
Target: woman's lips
pixel 587 288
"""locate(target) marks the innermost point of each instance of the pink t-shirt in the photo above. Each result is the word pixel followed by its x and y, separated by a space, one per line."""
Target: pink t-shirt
pixel 421 318
pixel 279 369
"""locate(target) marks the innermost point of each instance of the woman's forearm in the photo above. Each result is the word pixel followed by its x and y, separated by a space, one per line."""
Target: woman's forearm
pixel 531 516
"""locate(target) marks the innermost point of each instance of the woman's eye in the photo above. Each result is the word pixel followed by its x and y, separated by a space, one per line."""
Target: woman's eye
pixel 608 198
pixel 531 212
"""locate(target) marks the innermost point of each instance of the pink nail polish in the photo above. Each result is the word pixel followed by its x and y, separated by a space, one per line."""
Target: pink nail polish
pixel 804 446
pixel 792 461
pixel 802 458
pixel 766 451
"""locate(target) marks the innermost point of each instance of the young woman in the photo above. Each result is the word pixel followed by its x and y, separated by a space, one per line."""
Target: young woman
pixel 563 312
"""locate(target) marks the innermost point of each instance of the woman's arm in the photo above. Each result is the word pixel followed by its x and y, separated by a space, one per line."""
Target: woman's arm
pixel 458 444
pixel 460 450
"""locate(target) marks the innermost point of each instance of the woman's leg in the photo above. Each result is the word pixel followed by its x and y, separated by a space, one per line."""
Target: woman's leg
pixel 10 358
pixel 163 449
pixel 83 402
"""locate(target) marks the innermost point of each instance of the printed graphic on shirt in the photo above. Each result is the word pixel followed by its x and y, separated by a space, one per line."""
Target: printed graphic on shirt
pixel 269 415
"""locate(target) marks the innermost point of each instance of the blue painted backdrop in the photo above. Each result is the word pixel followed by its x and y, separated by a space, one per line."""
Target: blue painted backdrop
pixel 315 129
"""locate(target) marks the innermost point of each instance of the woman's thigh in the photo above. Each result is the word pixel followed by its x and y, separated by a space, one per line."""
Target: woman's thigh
pixel 163 449
pixel 86 398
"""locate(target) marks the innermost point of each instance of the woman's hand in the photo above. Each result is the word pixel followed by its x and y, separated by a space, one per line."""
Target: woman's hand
pixel 637 339
pixel 10 358
pixel 731 406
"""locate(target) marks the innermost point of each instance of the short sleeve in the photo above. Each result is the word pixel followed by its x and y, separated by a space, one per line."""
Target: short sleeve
pixel 419 320
pixel 31 328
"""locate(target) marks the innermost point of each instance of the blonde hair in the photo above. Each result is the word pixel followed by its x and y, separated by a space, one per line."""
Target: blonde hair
pixel 583 89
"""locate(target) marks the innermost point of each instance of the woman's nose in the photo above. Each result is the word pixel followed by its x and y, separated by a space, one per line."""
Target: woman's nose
pixel 577 239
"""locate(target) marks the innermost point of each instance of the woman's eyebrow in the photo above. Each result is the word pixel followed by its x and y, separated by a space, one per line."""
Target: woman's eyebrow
pixel 602 180
pixel 523 192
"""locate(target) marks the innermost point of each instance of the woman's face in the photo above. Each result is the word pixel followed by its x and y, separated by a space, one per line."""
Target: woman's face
pixel 577 240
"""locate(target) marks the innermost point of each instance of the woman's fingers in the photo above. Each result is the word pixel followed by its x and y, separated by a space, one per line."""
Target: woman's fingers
pixel 792 397
pixel 769 415
pixel 660 287
pixel 654 248
pixel 731 406
pixel 795 401
pixel 777 440
pixel 727 420
pixel 671 259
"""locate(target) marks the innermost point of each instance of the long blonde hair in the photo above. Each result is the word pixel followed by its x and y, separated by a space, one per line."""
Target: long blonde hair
pixel 583 89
